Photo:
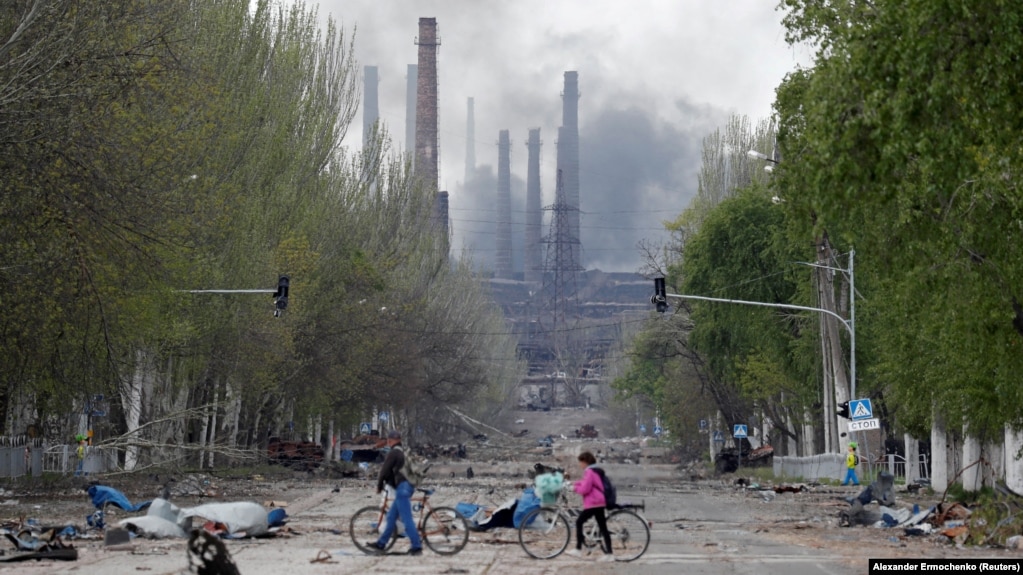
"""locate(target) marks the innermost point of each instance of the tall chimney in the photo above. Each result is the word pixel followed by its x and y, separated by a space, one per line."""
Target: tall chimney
pixel 569 146
pixel 470 140
pixel 534 215
pixel 370 106
pixel 503 267
pixel 410 109
pixel 427 151
pixel 440 212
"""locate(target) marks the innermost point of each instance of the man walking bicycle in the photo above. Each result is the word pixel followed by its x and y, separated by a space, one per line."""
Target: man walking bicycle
pixel 391 475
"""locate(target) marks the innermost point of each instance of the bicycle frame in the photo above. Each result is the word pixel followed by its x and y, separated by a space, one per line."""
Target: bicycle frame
pixel 424 509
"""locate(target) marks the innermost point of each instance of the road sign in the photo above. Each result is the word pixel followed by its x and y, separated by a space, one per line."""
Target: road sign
pixel 365 428
pixel 658 430
pixel 383 416
pixel 703 424
pixel 719 437
pixel 864 424
pixel 739 431
pixel 860 409
pixel 642 429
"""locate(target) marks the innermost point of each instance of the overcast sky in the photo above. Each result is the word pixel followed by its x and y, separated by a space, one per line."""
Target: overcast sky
pixel 655 78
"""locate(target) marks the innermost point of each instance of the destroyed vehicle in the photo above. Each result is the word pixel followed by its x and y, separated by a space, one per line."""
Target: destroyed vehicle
pixel 729 459
pixel 301 455
pixel 587 431
pixel 363 449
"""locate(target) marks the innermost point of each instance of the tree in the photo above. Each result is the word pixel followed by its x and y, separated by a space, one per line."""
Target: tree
pixel 904 140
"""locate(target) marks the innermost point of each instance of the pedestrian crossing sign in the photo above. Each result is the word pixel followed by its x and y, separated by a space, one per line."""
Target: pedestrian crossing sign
pixel 719 437
pixel 739 431
pixel 365 429
pixel 860 409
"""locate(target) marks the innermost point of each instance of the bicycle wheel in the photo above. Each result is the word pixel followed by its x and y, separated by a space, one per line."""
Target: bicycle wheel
pixel 445 531
pixel 630 534
pixel 544 533
pixel 365 528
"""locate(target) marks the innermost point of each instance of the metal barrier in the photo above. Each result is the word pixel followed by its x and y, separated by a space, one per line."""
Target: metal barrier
pixel 63 459
pixel 896 465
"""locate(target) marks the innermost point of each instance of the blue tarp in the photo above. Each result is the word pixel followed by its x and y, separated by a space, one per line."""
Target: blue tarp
pixel 102 495
pixel 528 502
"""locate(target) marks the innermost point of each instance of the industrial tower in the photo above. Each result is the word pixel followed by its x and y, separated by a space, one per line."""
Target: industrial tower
pixel 534 214
pixel 503 267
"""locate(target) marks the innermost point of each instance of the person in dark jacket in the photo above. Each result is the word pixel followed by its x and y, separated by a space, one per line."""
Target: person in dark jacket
pixel 390 474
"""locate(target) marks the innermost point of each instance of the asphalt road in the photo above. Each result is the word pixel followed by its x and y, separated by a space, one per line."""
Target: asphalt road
pixel 694 531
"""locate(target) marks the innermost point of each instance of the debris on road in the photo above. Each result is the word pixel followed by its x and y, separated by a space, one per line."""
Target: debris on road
pixel 209 556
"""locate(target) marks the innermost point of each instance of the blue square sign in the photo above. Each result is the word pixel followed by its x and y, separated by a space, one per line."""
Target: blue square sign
pixel 719 437
pixel 860 409
pixel 739 431
pixel 365 429
pixel 703 424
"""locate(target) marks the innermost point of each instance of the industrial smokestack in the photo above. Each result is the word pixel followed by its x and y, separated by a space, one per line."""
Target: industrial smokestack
pixel 440 212
pixel 569 148
pixel 470 140
pixel 503 267
pixel 534 214
pixel 427 152
pixel 410 109
pixel 370 106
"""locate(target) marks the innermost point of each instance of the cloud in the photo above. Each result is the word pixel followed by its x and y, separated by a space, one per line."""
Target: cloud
pixel 655 76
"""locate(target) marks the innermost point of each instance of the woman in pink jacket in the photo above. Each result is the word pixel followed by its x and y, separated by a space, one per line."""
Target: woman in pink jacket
pixel 591 487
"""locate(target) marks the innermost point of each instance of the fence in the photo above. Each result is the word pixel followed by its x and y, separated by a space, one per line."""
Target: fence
pixel 811 467
pixel 896 465
pixel 64 459
pixel 20 461
pixel 832 466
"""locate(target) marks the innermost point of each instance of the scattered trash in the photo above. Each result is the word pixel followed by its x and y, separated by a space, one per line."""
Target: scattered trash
pixel 102 496
pixel 116 537
pixel 791 488
pixel 323 556
pixel 276 503
pixel 208 555
pixel 919 530
pixel 239 517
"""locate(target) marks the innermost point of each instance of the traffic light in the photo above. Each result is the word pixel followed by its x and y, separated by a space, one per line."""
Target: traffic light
pixel 660 297
pixel 843 409
pixel 281 295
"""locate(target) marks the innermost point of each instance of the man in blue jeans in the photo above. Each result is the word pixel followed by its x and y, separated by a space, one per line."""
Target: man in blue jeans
pixel 390 473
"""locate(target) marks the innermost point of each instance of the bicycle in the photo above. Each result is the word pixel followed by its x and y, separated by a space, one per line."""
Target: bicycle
pixel 545 532
pixel 443 530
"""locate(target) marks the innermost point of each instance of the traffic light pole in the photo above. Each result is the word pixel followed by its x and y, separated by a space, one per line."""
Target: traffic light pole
pixel 280 293
pixel 660 299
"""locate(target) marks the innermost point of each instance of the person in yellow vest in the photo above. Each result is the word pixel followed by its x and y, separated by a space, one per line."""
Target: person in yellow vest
pixel 851 461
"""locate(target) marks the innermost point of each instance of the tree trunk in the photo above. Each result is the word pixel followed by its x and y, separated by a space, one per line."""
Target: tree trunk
pixel 1013 467
pixel 131 400
pixel 330 441
pixel 939 453
pixel 971 477
pixel 213 424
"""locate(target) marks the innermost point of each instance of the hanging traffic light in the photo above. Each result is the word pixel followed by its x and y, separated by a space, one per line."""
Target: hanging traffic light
pixel 843 409
pixel 660 297
pixel 281 295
